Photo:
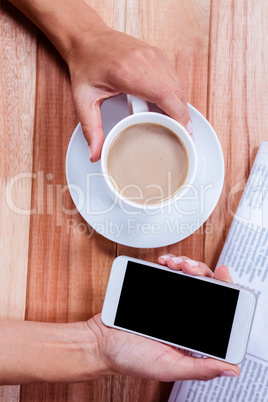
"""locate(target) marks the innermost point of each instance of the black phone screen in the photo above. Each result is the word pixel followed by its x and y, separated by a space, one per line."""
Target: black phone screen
pixel 179 309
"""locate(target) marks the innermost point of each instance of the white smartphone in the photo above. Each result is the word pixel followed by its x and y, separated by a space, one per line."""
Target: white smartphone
pixel 195 313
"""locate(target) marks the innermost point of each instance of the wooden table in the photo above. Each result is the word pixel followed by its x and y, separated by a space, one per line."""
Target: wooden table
pixel 50 272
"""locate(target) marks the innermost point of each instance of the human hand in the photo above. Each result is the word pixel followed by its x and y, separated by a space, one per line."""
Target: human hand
pixel 104 62
pixel 112 62
pixel 130 354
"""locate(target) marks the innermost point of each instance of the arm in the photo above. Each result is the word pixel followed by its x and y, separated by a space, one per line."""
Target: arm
pixel 104 62
pixel 37 352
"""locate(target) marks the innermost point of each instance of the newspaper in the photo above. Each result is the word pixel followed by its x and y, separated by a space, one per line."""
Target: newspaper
pixel 245 252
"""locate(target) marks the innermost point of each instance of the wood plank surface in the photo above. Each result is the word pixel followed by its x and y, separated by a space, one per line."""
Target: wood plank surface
pixel 53 267
pixel 17 107
pixel 238 102
pixel 48 272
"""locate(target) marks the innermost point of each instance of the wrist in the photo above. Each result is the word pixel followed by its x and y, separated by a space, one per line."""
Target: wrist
pixel 72 21
pixel 63 21
pixel 79 346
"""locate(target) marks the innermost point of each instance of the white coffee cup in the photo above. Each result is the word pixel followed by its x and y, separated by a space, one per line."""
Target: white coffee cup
pixel 139 108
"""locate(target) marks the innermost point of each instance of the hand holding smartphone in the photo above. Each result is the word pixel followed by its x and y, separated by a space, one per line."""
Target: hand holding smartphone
pixel 198 314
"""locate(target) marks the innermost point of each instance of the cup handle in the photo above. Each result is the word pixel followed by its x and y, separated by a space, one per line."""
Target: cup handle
pixel 136 105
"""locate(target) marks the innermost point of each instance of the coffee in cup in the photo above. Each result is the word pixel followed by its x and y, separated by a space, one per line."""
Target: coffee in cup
pixel 148 159
pixel 147 163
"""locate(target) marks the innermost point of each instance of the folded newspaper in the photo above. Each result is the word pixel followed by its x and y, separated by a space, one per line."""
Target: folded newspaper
pixel 245 253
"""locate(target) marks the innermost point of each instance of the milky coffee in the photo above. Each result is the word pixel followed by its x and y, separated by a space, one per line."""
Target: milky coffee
pixel 147 163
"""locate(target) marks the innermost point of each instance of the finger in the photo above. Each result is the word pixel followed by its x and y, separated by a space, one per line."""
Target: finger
pixel 189 124
pixel 174 104
pixel 164 258
pixel 222 274
pixel 169 94
pixel 88 111
pixel 93 132
pixel 176 262
pixel 206 369
pixel 189 266
pixel 170 98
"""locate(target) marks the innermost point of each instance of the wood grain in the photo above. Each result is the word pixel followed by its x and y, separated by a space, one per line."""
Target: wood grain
pixel 17 101
pixel 238 102
pixel 48 272
pixel 17 106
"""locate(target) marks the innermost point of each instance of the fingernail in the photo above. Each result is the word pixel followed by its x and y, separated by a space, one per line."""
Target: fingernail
pixel 165 257
pixel 89 153
pixel 189 127
pixel 192 263
pixel 177 260
pixel 229 374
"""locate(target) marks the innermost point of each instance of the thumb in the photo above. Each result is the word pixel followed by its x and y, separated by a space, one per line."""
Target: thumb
pixel 206 369
pixel 222 274
pixel 90 117
pixel 93 132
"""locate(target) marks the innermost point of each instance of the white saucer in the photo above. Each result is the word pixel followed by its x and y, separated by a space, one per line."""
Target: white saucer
pixel 141 230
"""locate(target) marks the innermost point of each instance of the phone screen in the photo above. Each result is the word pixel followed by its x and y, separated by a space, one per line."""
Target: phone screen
pixel 179 309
